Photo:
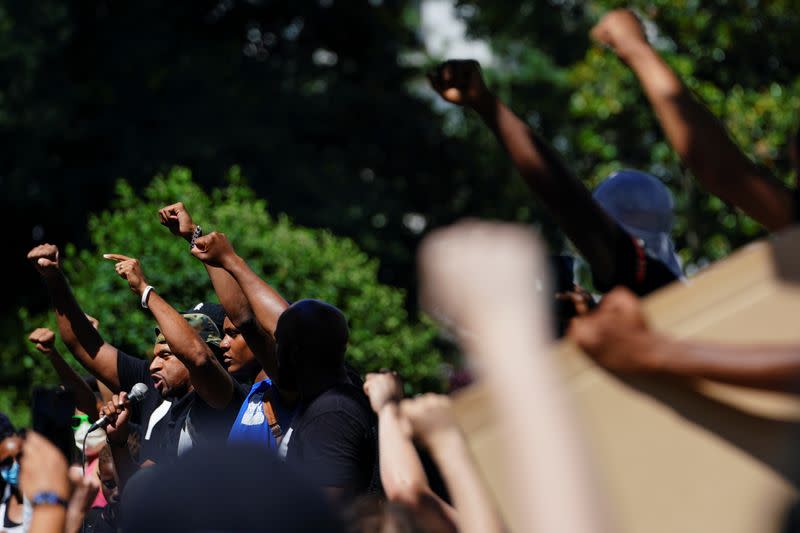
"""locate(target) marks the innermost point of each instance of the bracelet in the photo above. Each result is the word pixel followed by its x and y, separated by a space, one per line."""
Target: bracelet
pixel 48 497
pixel 145 295
pixel 198 232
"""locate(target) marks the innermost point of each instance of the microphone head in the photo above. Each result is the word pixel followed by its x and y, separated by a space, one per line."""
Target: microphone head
pixel 138 392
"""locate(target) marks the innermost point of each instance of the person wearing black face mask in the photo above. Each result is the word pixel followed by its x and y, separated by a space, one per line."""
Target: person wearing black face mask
pixel 330 432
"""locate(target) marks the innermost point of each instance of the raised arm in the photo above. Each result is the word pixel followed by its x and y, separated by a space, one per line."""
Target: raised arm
pixel 569 202
pixel 178 220
pixel 617 336
pixel 432 423
pixel 697 136
pixel 77 332
pixel 43 475
pixel 482 277
pixel 44 340
pixel 209 379
pixel 402 474
pixel 267 304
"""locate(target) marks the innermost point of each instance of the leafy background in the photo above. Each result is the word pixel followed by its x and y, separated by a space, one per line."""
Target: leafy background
pixel 321 110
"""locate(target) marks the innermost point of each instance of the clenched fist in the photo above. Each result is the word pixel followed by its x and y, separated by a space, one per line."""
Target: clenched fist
pixel 45 259
pixel 177 219
pixel 214 249
pixel 430 417
pixel 621 30
pixel 118 410
pixel 43 338
pixel 460 81
pixel 616 334
pixel 383 388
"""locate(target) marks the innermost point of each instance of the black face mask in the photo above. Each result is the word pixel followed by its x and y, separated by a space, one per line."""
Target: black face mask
pixel 287 374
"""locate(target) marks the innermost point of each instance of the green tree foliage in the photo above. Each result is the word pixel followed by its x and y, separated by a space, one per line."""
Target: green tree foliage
pixel 299 262
pixel 737 55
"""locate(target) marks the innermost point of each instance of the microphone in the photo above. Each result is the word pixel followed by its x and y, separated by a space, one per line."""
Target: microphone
pixel 138 392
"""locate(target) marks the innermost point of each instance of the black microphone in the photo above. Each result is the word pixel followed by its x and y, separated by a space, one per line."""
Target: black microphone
pixel 138 392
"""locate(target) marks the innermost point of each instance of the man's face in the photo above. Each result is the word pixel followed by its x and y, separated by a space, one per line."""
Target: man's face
pixel 171 377
pixel 237 355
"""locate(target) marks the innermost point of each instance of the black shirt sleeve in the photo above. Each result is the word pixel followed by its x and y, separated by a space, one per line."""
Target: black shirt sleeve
pixel 131 370
pixel 636 270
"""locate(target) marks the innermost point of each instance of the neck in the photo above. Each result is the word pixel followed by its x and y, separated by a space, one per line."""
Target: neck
pixel 314 385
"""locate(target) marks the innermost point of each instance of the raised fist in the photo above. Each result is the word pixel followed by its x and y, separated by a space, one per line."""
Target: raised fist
pixel 619 30
pixel 383 388
pixel 460 81
pixel 213 249
pixel 616 334
pixel 472 269
pixel 43 338
pixel 430 417
pixel 130 270
pixel 177 219
pixel 45 259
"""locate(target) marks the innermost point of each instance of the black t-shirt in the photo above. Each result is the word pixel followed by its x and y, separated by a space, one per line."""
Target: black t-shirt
pixel 96 522
pixel 333 439
pixel 191 422
pixel 132 370
pixel 636 270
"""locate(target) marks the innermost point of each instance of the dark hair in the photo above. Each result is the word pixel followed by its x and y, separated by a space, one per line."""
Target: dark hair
pixel 370 514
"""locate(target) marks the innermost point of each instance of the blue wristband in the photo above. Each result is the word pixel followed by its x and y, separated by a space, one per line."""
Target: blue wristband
pixel 47 498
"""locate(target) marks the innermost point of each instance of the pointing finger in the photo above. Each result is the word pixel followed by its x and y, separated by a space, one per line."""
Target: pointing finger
pixel 117 257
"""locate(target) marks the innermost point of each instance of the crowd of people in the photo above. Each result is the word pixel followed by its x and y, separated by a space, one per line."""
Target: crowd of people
pixel 247 416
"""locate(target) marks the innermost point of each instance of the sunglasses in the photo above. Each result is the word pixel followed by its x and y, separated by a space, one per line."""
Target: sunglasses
pixel 77 420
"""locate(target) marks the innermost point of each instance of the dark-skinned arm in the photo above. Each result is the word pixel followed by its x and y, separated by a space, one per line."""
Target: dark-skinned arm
pixel 44 340
pixel 565 197
pixel 697 136
pixel 618 337
pixel 77 332
pixel 179 221
pixel 209 379
pixel 267 304
pixel 117 432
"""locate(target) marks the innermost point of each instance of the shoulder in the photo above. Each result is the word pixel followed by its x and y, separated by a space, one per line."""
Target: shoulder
pixel 344 402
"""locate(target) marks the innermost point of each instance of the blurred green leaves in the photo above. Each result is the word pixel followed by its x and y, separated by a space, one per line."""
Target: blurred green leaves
pixel 299 262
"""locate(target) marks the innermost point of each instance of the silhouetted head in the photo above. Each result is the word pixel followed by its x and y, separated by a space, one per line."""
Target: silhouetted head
pixel 311 340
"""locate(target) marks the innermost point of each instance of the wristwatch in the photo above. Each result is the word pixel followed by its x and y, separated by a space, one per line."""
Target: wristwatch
pixel 198 232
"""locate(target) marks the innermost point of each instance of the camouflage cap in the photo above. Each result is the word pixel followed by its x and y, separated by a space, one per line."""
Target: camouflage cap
pixel 208 325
